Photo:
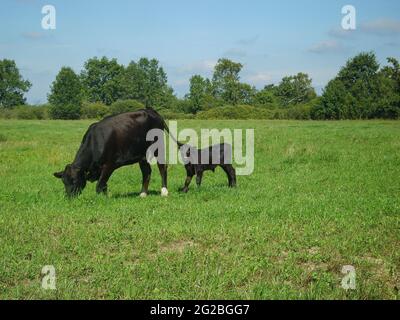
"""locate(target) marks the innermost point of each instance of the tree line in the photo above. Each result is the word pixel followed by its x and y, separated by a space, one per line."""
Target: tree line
pixel 361 90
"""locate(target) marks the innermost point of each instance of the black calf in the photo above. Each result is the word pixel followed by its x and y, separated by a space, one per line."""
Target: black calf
pixel 198 161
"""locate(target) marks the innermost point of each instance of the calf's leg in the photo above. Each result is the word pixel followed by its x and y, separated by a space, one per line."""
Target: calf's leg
pixel 199 177
pixel 231 173
pixel 190 172
pixel 185 188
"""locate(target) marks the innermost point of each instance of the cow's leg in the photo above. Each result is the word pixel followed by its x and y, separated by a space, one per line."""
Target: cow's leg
pixel 105 174
pixel 146 173
pixel 231 173
pixel 163 173
pixel 199 177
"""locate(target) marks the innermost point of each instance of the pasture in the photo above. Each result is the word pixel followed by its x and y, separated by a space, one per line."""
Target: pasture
pixel 323 195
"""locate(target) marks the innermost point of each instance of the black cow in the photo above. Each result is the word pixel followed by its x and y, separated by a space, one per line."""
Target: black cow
pixel 198 161
pixel 114 142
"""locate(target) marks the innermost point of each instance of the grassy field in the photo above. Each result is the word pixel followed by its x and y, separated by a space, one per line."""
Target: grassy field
pixel 323 195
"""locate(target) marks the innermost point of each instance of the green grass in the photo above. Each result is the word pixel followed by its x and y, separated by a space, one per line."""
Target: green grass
pixel 323 195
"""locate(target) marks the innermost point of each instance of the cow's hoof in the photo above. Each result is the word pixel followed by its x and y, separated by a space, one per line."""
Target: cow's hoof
pixel 164 192
pixel 143 195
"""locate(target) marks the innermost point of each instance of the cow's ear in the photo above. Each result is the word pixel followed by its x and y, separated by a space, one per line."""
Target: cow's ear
pixel 59 174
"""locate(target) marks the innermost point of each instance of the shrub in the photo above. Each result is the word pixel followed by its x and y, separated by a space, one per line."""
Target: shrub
pixel 234 112
pixel 299 112
pixel 25 112
pixel 95 110
pixel 65 112
pixel 170 115
pixel 41 112
pixel 122 106
pixel 278 114
pixel 6 113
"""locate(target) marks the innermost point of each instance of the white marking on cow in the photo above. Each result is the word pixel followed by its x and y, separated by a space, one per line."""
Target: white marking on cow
pixel 143 195
pixel 164 192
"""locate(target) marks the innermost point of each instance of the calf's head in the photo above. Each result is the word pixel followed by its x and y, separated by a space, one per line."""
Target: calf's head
pixel 74 180
pixel 189 154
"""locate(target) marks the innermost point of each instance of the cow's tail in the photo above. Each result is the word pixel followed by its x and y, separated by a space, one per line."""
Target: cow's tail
pixel 172 137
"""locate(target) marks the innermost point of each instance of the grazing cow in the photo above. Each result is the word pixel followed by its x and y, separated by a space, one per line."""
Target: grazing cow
pixel 114 142
pixel 198 161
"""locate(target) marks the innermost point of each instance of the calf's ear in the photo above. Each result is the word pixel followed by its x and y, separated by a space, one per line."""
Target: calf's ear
pixel 58 174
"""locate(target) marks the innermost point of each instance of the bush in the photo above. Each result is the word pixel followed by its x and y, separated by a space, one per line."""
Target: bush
pixel 235 112
pixel 299 112
pixel 65 112
pixel 278 114
pixel 6 113
pixel 41 112
pixel 170 115
pixel 95 110
pixel 122 106
pixel 25 112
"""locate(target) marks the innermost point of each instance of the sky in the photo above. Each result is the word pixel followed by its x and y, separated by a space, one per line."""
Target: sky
pixel 272 39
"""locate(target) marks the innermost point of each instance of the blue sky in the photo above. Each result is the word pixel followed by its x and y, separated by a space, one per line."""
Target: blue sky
pixel 270 38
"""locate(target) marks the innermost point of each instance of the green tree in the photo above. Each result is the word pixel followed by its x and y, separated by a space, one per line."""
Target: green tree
pixel 389 79
pixel 335 102
pixel 360 78
pixel 226 84
pixel 392 71
pixel 12 85
pixel 266 97
pixel 361 91
pixel 102 80
pixel 361 68
pixel 246 93
pixel 66 95
pixel 200 94
pixel 167 100
pixel 295 89
pixel 146 81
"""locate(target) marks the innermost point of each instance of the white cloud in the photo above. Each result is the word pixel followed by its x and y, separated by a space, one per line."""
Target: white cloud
pixel 23 2
pixel 383 26
pixel 259 78
pixel 247 41
pixel 198 67
pixel 235 52
pixel 180 82
pixel 33 35
pixel 328 46
pixel 341 33
pixel 392 44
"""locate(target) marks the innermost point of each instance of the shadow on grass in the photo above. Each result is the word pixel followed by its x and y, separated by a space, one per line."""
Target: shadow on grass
pixel 134 194
pixel 193 189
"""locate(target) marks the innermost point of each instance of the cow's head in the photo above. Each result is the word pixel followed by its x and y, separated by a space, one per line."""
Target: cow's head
pixel 73 178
